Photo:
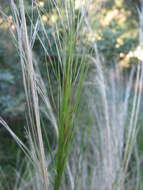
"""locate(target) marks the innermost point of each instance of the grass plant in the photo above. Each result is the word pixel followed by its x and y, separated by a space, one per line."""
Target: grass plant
pixel 70 71
pixel 96 154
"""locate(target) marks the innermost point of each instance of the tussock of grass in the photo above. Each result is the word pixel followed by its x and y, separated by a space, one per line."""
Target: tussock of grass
pixel 69 72
pixel 104 146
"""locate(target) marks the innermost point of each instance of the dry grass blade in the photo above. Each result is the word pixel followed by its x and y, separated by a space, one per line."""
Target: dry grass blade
pixel 27 64
pixel 30 68
pixel 19 142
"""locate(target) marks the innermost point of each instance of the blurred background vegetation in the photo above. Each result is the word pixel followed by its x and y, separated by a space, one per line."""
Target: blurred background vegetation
pixel 115 29
pixel 115 26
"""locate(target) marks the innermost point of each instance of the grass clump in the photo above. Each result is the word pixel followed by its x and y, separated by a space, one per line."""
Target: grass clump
pixel 69 69
pixel 105 143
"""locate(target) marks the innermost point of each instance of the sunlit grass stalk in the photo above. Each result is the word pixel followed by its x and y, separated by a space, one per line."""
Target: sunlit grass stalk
pixel 25 49
pixel 115 177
